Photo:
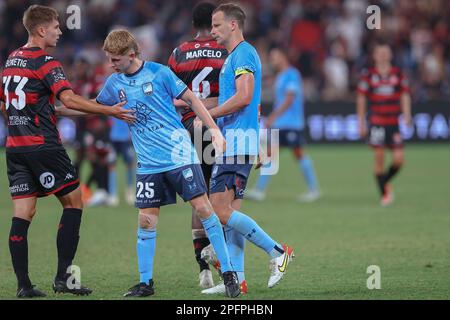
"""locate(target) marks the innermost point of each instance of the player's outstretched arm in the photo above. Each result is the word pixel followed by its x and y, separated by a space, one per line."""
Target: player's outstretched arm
pixel 76 102
pixel 245 84
pixel 63 111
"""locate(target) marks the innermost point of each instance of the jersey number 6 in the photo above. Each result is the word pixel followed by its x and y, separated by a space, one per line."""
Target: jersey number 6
pixel 205 84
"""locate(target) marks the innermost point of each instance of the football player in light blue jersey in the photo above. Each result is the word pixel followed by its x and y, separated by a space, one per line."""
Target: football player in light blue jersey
pixel 167 161
pixel 288 118
pixel 237 116
pixel 121 141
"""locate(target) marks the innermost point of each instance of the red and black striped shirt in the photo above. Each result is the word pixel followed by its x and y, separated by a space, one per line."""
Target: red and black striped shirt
pixel 197 63
pixel 383 94
pixel 31 80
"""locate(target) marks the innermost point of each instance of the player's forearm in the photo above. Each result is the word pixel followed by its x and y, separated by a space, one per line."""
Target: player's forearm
pixel 234 104
pixel 178 103
pixel 405 102
pixel 63 111
pixel 283 107
pixel 361 108
pixel 245 85
pixel 210 103
pixel 75 102
pixel 199 109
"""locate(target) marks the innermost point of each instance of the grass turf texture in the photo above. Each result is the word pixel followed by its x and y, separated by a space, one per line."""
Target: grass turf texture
pixel 335 239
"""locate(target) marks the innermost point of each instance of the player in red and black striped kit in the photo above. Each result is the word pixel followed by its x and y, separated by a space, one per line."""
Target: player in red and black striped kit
pixel 37 163
pixel 198 63
pixel 383 90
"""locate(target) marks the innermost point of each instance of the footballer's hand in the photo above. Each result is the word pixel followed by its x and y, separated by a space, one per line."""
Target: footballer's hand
pixel 270 120
pixel 123 114
pixel 259 162
pixel 218 141
pixel 408 120
pixel 362 131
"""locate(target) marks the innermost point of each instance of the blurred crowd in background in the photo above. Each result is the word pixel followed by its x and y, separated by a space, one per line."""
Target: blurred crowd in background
pixel 326 39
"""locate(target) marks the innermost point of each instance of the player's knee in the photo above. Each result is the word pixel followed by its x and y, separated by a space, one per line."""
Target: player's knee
pixel 398 162
pixel 148 221
pixel 223 212
pixel 218 207
pixel 72 200
pixel 24 212
pixel 224 218
pixel 203 209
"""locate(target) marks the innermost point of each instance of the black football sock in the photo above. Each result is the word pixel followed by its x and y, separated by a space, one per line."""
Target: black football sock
pixel 67 240
pixel 18 247
pixel 103 177
pixel 199 244
pixel 381 180
pixel 392 171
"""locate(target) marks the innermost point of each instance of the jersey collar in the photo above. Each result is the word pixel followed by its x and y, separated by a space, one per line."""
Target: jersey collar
pixel 137 71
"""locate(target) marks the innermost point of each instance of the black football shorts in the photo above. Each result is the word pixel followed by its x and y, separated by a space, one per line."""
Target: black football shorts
pixel 40 173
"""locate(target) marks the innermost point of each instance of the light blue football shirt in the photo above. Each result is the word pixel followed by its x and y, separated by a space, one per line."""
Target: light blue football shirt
pixel 119 130
pixel 240 129
pixel 287 81
pixel 160 140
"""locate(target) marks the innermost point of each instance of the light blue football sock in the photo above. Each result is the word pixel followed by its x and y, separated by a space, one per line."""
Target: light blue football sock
pixel 146 244
pixel 307 168
pixel 215 235
pixel 112 183
pixel 262 182
pixel 253 233
pixel 130 177
pixel 236 247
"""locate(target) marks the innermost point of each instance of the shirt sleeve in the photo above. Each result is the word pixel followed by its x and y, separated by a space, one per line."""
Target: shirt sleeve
pixel 174 85
pixel 106 95
pixel 172 63
pixel 52 74
pixel 243 64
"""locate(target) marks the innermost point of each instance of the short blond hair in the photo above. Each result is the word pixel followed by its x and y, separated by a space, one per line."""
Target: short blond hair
pixel 37 15
pixel 120 42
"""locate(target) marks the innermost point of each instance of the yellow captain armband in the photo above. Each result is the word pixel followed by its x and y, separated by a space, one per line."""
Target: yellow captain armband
pixel 241 71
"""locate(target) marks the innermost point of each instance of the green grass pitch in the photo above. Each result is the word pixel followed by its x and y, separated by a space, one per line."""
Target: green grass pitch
pixel 335 239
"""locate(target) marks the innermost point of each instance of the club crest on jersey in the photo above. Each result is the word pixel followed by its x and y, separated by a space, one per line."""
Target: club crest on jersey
pixel 147 88
pixel 188 174
pixel 122 95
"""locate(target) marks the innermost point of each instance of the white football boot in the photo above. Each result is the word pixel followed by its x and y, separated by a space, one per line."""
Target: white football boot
pixel 255 195
pixel 278 266
pixel 206 279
